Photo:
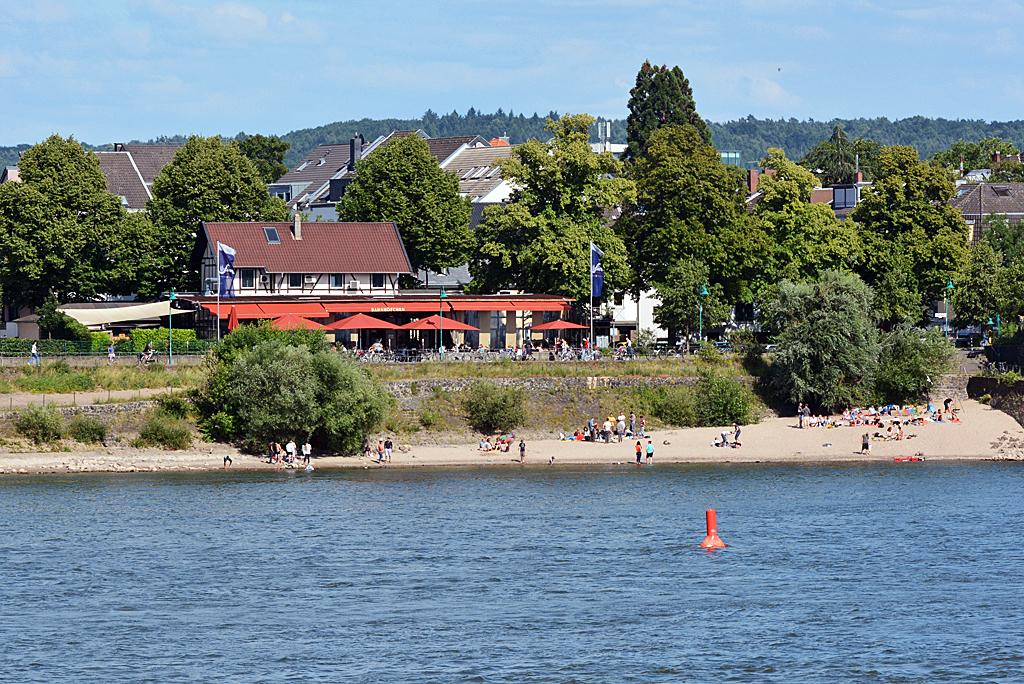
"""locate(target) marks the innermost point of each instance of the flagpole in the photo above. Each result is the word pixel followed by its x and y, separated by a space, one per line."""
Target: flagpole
pixel 217 262
pixel 590 258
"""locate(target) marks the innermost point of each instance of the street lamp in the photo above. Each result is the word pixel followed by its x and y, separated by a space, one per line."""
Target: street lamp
pixel 700 323
pixel 170 328
pixel 440 323
pixel 999 339
pixel 949 288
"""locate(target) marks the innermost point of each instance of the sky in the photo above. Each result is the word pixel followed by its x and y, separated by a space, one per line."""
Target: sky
pixel 107 71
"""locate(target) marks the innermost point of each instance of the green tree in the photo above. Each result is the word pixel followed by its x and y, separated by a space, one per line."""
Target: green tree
pixel 305 393
pixel 912 240
pixel 62 233
pixel 1007 171
pixel 54 324
pixel 834 161
pixel 540 240
pixel 681 301
pixel 910 361
pixel 808 237
pixel 662 97
pixel 985 288
pixel 207 180
pixel 402 182
pixel 690 205
pixel 975 155
pixel 267 153
pixel 827 342
pixel 1005 238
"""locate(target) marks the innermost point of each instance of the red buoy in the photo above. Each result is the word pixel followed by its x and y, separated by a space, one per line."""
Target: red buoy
pixel 712 541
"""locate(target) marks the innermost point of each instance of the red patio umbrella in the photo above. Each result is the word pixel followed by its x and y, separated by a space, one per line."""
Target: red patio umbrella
pixel 233 318
pixel 435 323
pixel 291 322
pixel 361 322
pixel 559 325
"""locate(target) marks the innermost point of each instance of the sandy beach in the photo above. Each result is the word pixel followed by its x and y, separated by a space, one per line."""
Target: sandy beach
pixel 985 433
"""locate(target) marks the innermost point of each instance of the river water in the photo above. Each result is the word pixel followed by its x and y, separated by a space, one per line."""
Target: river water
pixel 854 573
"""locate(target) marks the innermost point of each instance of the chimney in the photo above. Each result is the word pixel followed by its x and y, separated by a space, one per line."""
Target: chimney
pixel 996 158
pixel 859 178
pixel 752 180
pixel 355 151
pixel 297 227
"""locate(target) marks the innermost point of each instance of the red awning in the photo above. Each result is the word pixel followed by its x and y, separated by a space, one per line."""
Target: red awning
pixel 241 310
pixel 306 309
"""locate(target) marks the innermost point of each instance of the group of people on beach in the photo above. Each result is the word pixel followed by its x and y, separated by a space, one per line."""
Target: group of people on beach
pixel 288 455
pixel 502 443
pixel 614 428
pixel 382 451
pixel 876 417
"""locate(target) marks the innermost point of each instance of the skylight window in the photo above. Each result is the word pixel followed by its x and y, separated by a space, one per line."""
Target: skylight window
pixel 469 173
pixel 302 166
pixel 1001 190
pixel 272 237
pixel 321 162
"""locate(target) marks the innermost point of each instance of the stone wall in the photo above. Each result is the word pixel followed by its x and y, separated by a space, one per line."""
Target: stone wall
pixel 403 388
pixel 952 385
pixel 94 409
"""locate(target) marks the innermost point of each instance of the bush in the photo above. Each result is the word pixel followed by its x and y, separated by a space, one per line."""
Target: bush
pixel 721 401
pixel 494 409
pixel 41 424
pixel 160 429
pixel 429 419
pixel 277 390
pixel 710 354
pixel 86 429
pixel 674 406
pixel 159 337
pixel 175 405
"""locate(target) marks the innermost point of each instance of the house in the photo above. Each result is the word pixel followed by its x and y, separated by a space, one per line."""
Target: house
pixel 10 174
pixel 305 259
pixel 478 179
pixel 319 181
pixel 977 200
pixel 131 169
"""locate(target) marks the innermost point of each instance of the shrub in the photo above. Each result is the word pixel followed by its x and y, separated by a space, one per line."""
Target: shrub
pixel 910 358
pixel 159 337
pixel 720 401
pixel 494 409
pixel 86 429
pixel 674 406
pixel 414 388
pixel 710 354
pixel 276 390
pixel 160 429
pixel 176 405
pixel 429 419
pixel 155 367
pixel 41 424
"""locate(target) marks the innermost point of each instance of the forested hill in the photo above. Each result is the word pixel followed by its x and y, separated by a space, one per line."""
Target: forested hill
pixel 754 136
pixel 751 136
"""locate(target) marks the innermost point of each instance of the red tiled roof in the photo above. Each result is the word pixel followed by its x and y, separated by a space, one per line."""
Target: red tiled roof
pixel 498 142
pixel 324 248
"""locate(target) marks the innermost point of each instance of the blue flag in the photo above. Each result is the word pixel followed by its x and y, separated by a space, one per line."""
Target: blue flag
pixel 596 272
pixel 226 270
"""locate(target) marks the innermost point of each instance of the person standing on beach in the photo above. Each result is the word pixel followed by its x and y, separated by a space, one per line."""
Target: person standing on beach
pixel 643 426
pixel 227 461
pixel 307 449
pixel 632 424
pixel 650 453
pixel 735 434
pixel 388 446
pixel 865 444
pixel 290 449
pixel 522 451
pixel 380 451
pixel 639 450
pixel 800 415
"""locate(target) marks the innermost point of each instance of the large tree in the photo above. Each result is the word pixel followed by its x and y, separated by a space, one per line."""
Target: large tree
pixel 690 205
pixel 912 240
pixel 267 153
pixel 540 240
pixel 974 155
pixel 827 342
pixel 683 307
pixel 403 183
pixel 808 238
pixel 207 180
pixel 835 161
pixel 662 97
pixel 62 233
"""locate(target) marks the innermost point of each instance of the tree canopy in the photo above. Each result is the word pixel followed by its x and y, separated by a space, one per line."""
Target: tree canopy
pixel 827 341
pixel 835 161
pixel 267 153
pixel 207 180
pixel 682 305
pixel 689 205
pixel 403 183
pixel 912 240
pixel 62 233
pixel 540 240
pixel 975 155
pixel 662 97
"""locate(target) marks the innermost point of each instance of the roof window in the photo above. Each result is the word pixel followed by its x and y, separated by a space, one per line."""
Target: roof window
pixel 272 236
pixel 321 162
pixel 302 166
pixel 1001 190
pixel 469 173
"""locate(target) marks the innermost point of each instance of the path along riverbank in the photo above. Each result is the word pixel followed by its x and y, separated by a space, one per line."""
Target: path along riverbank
pixel 984 433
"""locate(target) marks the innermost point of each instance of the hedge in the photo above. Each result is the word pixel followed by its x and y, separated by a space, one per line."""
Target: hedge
pixel 158 336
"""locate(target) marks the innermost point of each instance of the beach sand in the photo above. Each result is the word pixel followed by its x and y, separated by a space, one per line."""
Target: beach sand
pixel 984 434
